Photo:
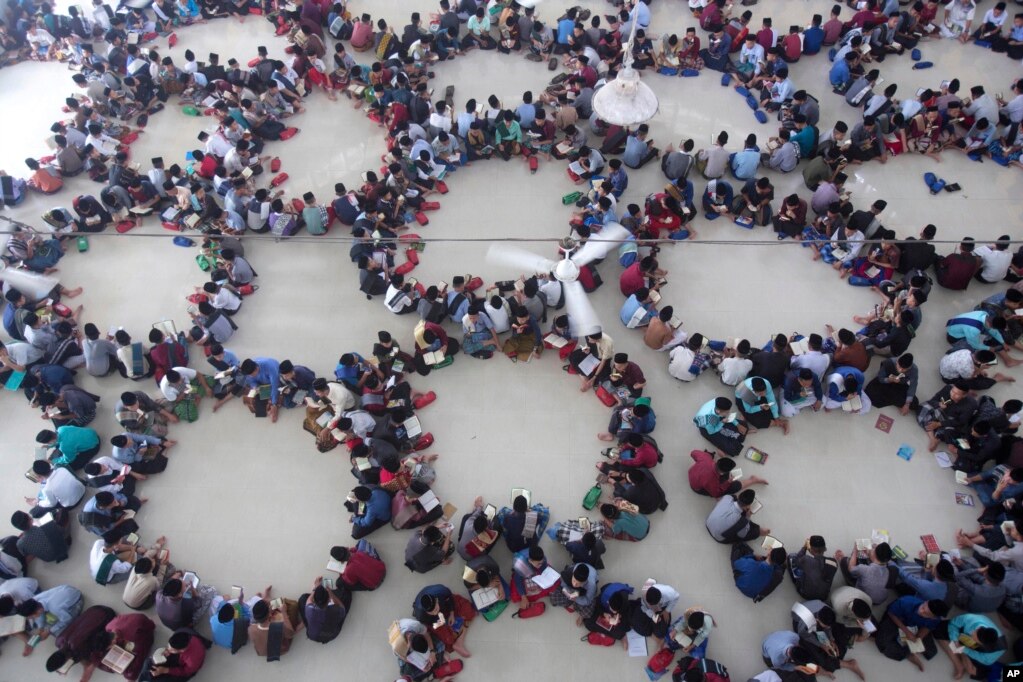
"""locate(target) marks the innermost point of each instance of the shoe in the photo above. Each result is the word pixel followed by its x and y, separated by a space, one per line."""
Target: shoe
pixel 424 400
pixel 954 187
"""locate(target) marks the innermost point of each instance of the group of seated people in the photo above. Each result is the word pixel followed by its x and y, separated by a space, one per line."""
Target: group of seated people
pixel 370 408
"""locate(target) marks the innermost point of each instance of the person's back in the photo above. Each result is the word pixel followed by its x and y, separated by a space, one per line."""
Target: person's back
pixel 956 270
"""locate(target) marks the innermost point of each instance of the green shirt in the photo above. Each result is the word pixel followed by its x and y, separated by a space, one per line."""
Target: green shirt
pixel 73 440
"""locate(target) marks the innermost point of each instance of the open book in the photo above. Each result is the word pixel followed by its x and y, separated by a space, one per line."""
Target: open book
pixel 853 404
pixel 484 597
pixel 800 347
pixel 428 501
pixel 555 341
pixel 167 327
pixel 588 364
pixel 335 565
pixel 117 659
pixel 11 625
pixel 412 427
pixel 770 543
pixel 547 579
pixel 434 357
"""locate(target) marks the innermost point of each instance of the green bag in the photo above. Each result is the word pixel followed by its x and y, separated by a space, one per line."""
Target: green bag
pixel 444 363
pixel 495 610
pixel 189 110
pixel 83 244
pixel 205 262
pixel 592 495
pixel 571 198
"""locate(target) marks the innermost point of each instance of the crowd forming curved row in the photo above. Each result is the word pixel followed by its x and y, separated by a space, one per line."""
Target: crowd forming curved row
pixel 369 406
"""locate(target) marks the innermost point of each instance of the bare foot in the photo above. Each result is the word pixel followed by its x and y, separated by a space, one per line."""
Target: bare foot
pixel 605 436
pixel 1003 377
pixel 72 293
pixel 143 500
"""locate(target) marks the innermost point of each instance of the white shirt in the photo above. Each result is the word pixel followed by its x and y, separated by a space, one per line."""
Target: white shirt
pixel 440 122
pixel 734 370
pixel 680 359
pixel 100 16
pixel 60 488
pixel 218 145
pixel 96 557
pixel 170 391
pixel 19 589
pixel 498 316
pixel 814 360
pixel 752 55
pixel 995 263
pixel 103 143
pixel 227 300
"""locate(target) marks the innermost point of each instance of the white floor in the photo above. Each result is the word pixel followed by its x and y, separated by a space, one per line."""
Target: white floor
pixel 249 502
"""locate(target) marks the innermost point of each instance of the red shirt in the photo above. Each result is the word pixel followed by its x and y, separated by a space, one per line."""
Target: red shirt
pixel 793 47
pixel 363 570
pixel 137 629
pixel 208 167
pixel 190 659
pixel 704 476
pixel 956 270
pixel 631 280
pixel 643 456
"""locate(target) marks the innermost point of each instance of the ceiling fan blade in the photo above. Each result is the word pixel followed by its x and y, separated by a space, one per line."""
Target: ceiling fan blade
pixel 601 244
pixel 35 286
pixel 582 318
pixel 526 262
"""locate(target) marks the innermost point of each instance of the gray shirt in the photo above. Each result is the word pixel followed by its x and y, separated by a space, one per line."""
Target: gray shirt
pixel 726 522
pixel 872 579
pixel 98 356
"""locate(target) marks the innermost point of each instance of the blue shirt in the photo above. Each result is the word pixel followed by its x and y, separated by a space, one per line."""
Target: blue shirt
pixel 132 452
pixel 925 587
pixel 527 114
pixel 835 390
pixel 813 39
pixel 751 575
pixel 839 74
pixel 269 373
pixel 377 509
pixel 635 150
pixel 641 14
pixel 619 180
pixel 350 375
pixel 61 604
pixel 971 327
pixel 776 648
pixel 706 418
pixel 905 609
pixel 629 309
pixel 746 163
pixel 223 633
pixel 565 28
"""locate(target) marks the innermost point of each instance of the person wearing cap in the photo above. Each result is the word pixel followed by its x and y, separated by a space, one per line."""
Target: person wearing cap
pixel 845 385
pixel 49 612
pixel 826 640
pixel 688 360
pixel 910 619
pixel 802 389
pixel 58 489
pixel 272 628
pixel 814 359
pixel 895 384
pixel 757 576
pixel 729 521
pixel 363 570
pixel 812 572
pixel 718 426
pixel 182 658
pixel 448 616
pixel 712 476
pixel 479 338
pixel 427 549
pixel 230 618
pixel 757 402
pixel 371 509
pixel 73 446
pixel 946 415
pixel 970 365
pixel 744 164
pixel 47 541
pixel 83 641
pixel 715 55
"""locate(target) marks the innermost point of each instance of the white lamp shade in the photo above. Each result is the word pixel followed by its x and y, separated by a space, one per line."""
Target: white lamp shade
pixel 625 101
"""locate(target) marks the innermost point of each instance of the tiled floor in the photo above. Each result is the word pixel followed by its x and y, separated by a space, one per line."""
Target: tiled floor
pixel 250 502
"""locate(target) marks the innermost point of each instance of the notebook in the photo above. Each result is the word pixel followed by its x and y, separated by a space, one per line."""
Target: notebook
pixel 637 644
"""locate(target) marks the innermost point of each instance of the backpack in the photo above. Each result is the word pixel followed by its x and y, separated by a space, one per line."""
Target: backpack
pixel 650 439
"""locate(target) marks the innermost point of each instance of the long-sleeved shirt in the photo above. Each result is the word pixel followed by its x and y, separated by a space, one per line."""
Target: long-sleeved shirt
pixel 60 606
pixel 1010 556
pixel 972 328
pixel 923 583
pixel 890 373
pixel 795 392
pixel 73 440
pixel 776 647
pixel 378 509
pixel 836 383
pixel 269 372
pixel 755 578
pixel 967 624
pixel 190 660
pixel 744 394
pixel 706 418
pixel 137 444
pixel 976 594
pixel 588 591
pixel 669 598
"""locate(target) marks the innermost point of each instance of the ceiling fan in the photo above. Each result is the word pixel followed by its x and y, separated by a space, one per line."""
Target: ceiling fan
pixel 582 317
